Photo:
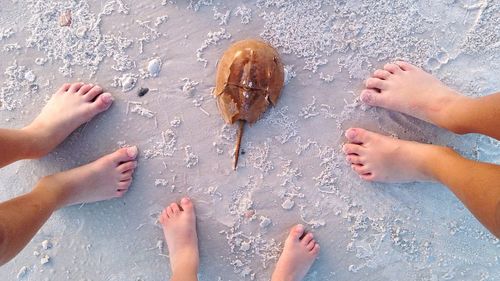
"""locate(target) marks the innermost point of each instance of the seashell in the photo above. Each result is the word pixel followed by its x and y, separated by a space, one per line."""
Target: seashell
pixel 65 18
pixel 250 77
pixel 154 67
pixel 81 31
pixel 29 76
pixel 128 82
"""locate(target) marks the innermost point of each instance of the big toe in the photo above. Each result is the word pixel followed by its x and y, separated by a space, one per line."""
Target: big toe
pixel 357 135
pixel 102 102
pixel 187 205
pixel 124 154
pixel 372 97
pixel 296 232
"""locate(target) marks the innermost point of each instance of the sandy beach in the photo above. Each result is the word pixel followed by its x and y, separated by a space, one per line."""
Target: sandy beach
pixel 292 169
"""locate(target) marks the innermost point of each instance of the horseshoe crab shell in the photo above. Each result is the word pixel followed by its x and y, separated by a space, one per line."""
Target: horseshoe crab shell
pixel 250 77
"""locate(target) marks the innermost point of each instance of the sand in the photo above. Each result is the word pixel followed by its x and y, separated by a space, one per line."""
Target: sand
pixel 292 171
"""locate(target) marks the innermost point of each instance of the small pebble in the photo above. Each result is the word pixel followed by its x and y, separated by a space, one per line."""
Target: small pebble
pixel 288 204
pixel 46 244
pixel 142 92
pixel 45 259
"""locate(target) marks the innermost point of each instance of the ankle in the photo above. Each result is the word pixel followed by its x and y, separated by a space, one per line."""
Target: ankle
pixel 48 190
pixel 34 142
pixel 278 276
pixel 436 161
pixel 453 113
pixel 184 273
pixel 186 261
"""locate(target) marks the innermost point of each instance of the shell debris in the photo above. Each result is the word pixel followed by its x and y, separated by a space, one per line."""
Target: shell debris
pixel 154 67
pixel 65 18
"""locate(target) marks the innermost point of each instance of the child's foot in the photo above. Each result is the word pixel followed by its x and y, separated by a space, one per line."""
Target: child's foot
pixel 297 257
pixel 105 178
pixel 179 228
pixel 408 89
pixel 71 106
pixel 385 159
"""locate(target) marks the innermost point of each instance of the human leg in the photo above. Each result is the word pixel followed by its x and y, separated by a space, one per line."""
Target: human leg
pixel 381 158
pixel 298 255
pixel 408 89
pixel 71 106
pixel 21 217
pixel 179 228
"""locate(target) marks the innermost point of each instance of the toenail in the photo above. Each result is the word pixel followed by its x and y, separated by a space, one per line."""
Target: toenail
pixel 132 151
pixel 350 134
pixel 185 200
pixel 107 97
pixel 366 97
pixel 300 227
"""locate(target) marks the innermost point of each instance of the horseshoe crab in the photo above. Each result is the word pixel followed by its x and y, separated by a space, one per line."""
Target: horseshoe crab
pixel 250 77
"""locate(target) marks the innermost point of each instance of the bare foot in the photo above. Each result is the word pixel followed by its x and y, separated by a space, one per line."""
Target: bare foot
pixel 297 257
pixel 385 159
pixel 179 228
pixel 105 178
pixel 406 88
pixel 71 106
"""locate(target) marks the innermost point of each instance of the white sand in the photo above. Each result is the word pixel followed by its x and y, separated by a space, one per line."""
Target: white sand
pixel 292 170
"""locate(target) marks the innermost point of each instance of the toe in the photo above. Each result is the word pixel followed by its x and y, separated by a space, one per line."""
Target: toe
pixel 367 177
pixel 311 245
pixel 360 169
pixel 127 166
pixel 85 88
pixel 381 74
pixel 375 83
pixel 120 193
pixel 102 102
pixel 124 185
pixel 170 212
pixel 296 232
pixel 315 250
pixel 372 97
pixel 187 205
pixel 354 159
pixel 357 135
pixel 307 238
pixel 91 93
pixel 163 217
pixel 75 87
pixel 125 154
pixel 64 87
pixel 392 68
pixel 405 66
pixel 126 176
pixel 175 208
pixel 351 148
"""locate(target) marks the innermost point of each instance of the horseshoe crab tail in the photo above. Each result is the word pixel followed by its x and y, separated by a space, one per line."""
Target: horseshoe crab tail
pixel 238 144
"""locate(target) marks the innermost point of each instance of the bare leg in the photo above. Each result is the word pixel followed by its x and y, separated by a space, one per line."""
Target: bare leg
pixel 408 89
pixel 380 158
pixel 179 228
pixel 21 217
pixel 298 256
pixel 71 106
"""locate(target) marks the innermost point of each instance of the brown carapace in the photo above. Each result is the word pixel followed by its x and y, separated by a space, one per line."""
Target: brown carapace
pixel 250 77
